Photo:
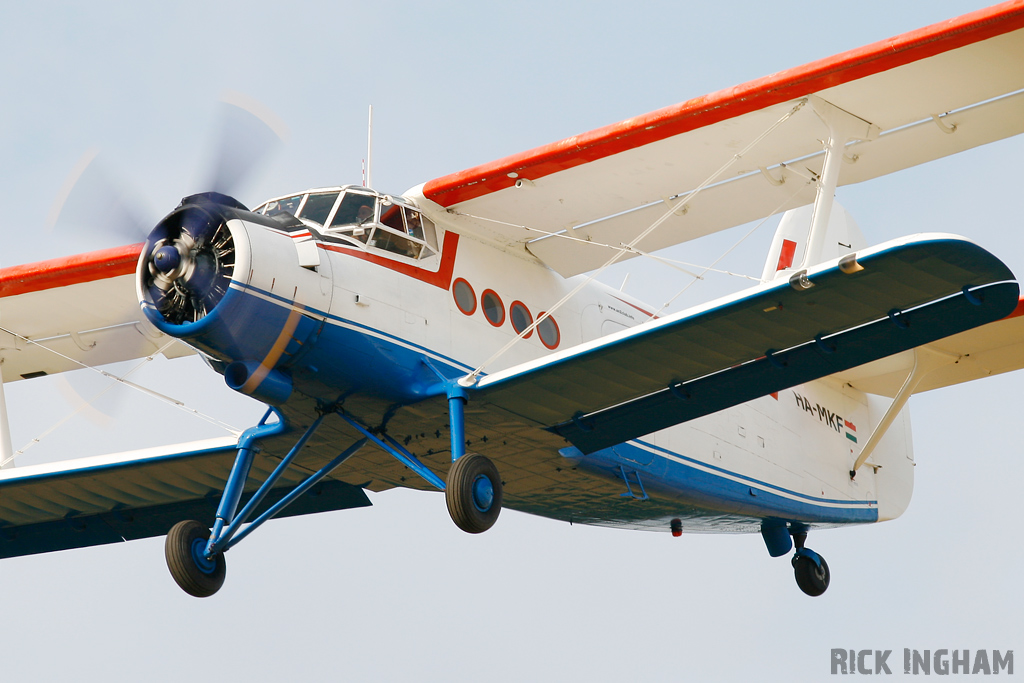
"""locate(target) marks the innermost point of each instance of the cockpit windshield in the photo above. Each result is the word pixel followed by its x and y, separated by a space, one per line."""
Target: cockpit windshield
pixel 363 218
pixel 318 206
pixel 286 205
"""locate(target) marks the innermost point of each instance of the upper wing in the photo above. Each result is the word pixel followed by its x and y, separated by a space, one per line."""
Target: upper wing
pixel 607 186
pixel 984 351
pixel 909 292
pixel 62 314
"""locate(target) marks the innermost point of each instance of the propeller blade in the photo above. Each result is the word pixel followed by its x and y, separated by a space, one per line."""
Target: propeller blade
pixel 92 204
pixel 249 133
pixel 74 387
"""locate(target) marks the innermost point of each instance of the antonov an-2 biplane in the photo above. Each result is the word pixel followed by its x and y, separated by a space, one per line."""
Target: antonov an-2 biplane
pixel 449 338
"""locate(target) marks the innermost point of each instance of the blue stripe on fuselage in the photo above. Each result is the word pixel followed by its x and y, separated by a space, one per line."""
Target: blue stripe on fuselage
pixel 716 488
pixel 334 319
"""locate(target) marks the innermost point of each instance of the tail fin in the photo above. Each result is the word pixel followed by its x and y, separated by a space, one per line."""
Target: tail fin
pixel 787 250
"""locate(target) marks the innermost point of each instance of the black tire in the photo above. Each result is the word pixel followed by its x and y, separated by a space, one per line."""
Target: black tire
pixel 812 580
pixel 463 507
pixel 184 540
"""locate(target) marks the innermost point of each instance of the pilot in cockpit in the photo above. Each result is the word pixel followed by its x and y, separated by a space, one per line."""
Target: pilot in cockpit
pixel 365 214
pixel 415 227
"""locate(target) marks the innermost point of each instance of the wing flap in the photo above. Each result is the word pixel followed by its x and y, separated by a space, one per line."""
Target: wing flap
pixel 760 328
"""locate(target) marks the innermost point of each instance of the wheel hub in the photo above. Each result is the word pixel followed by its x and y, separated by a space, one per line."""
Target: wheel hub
pixel 205 564
pixel 483 493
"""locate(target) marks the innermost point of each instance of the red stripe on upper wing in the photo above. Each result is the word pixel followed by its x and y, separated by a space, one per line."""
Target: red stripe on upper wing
pixel 442 278
pixel 70 270
pixel 725 104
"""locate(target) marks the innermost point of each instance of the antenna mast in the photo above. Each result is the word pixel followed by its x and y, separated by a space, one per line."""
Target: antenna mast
pixel 369 150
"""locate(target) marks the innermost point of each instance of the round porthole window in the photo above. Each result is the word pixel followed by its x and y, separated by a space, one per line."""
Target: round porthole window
pixel 494 310
pixel 547 330
pixel 465 297
pixel 521 318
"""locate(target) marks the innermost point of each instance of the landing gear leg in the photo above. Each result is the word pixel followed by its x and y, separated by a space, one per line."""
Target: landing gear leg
pixel 473 490
pixel 195 554
pixel 810 568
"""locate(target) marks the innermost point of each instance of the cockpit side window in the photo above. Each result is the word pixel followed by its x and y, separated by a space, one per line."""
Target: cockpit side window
pixel 401 231
pixel 421 228
pixel 396 244
pixel 318 207
pixel 391 216
pixel 391 235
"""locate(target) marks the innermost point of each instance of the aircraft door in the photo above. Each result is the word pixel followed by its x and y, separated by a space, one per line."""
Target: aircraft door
pixel 596 323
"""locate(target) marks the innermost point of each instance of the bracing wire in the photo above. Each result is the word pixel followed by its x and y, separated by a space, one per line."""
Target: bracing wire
pixel 116 379
pixel 728 251
pixel 472 377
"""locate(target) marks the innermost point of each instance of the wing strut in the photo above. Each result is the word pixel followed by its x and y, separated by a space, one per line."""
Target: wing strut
pixel 397 451
pixel 925 360
pixel 6 447
pixel 842 127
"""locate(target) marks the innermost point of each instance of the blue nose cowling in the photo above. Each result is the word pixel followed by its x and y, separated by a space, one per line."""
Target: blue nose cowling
pixel 166 259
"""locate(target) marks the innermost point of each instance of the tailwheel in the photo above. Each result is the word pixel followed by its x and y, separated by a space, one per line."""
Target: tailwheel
pixel 473 493
pixel 811 572
pixel 185 551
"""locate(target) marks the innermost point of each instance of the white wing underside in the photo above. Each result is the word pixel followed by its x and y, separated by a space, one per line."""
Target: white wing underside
pixel 982 352
pixel 926 109
pixel 57 329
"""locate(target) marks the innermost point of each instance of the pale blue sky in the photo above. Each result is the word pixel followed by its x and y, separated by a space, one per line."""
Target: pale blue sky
pixel 396 592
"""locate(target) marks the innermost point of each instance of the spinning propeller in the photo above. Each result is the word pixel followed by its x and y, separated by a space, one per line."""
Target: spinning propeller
pixel 188 258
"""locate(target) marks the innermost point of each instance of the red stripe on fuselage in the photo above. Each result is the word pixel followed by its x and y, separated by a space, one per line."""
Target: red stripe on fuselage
pixel 783 86
pixel 647 313
pixel 442 278
pixel 70 270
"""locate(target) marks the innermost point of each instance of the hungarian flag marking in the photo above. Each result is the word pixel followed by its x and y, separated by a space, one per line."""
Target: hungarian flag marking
pixel 850 430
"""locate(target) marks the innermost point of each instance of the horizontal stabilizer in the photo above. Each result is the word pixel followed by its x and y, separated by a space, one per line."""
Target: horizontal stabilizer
pixel 907 293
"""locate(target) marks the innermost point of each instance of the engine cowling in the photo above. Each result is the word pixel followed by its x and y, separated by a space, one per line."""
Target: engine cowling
pixel 200 278
pixel 188 261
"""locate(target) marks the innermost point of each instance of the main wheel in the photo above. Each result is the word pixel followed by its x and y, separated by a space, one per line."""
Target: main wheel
pixel 473 493
pixel 811 579
pixel 184 550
